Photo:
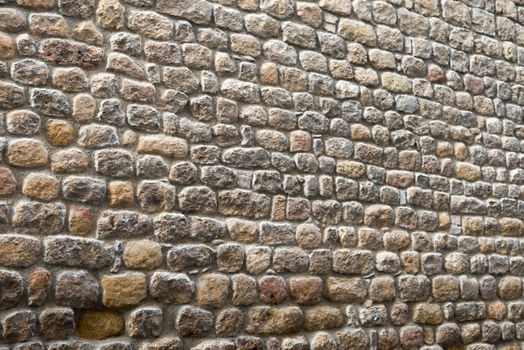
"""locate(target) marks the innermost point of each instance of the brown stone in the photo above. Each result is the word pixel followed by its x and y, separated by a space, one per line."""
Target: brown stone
pixel 100 324
pixel 345 290
pixel 124 290
pixel 305 290
pixel 323 317
pixel 39 285
pixel 7 182
pixel 265 320
pixel 19 251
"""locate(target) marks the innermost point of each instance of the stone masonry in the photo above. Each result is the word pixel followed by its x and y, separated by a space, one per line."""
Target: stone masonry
pixel 261 174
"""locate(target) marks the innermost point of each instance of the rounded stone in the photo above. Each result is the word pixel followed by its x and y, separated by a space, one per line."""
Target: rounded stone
pixel 41 186
pixel 59 132
pixel 27 153
pixel 273 289
pixel 22 122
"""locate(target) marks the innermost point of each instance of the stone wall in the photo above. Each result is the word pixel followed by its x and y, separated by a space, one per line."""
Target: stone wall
pixel 261 174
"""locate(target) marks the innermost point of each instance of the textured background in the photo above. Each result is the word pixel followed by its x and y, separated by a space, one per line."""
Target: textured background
pixel 261 174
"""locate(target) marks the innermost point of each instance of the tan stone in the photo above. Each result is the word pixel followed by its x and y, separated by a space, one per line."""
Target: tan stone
pixel 323 317
pixel 300 141
pixel 472 225
pixel 124 290
pixel 84 108
pixel 110 14
pixel 496 310
pixel 121 193
pixel 242 230
pixel 444 220
pixel 88 32
pixel 269 73
pixel 467 171
pixel 164 145
pixel 27 153
pixel 360 32
pixel 39 285
pixel 41 186
pixel 445 288
pixel 7 47
pixel 80 220
pixel 264 320
pixel 143 254
pixel 212 290
pixel 36 4
pixel 511 227
pixel 510 288
pixel 395 82
pixel 345 290
pixel 350 168
pixel 59 132
pixel 19 250
pixel 428 314
pixel 48 25
pixel 100 324
pixel 410 261
pixel 360 132
pixel 278 208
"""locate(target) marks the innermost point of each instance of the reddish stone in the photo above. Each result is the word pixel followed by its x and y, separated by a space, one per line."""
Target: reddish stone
pixel 65 52
pixel 273 289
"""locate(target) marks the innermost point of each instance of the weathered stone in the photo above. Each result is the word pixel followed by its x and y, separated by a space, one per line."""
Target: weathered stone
pixel 212 290
pixel 77 289
pixel 110 14
pixel 27 153
pixel 172 288
pixel 193 322
pixel 100 324
pixel 39 286
pixel 77 252
pixel 12 289
pixel 187 257
pixel 123 224
pixel 145 323
pixel 59 132
pixel 56 323
pixel 64 52
pixel 125 290
pixel 264 320
pixel 142 255
pixel 19 326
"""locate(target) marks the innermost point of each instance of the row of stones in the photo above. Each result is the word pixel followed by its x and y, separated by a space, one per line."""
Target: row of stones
pixel 196 51
pixel 24 251
pixel 263 25
pixel 213 290
pixel 270 94
pixel 156 196
pixel 350 338
pixel 80 289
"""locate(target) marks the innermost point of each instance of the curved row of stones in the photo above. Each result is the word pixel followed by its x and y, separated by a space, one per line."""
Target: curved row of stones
pixel 261 174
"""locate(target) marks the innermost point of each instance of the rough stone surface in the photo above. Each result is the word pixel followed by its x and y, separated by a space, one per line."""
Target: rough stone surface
pixel 261 174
